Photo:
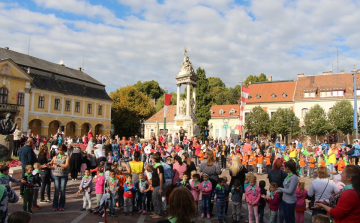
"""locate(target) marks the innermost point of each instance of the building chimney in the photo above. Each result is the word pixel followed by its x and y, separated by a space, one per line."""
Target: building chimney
pixel 79 68
pixel 6 48
pixel 342 72
pixel 300 75
pixel 327 72
pixel 270 78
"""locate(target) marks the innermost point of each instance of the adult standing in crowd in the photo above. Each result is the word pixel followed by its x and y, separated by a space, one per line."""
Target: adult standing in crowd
pixel 90 134
pixel 99 154
pixel 158 181
pixel 27 157
pixel 345 206
pixel 332 158
pixel 237 171
pixel 247 146
pixel 136 166
pixel 190 164
pixel 182 133
pixel 322 188
pixel 90 146
pixel 45 173
pixel 179 168
pixel 60 165
pixel 211 168
pixel 108 147
pixel 75 162
pixel 289 191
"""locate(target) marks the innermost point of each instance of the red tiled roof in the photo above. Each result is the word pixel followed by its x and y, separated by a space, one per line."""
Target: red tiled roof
pixel 325 82
pixel 159 116
pixel 262 92
pixel 226 109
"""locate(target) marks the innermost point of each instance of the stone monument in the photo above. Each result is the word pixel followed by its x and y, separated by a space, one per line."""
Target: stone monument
pixel 7 128
pixel 186 108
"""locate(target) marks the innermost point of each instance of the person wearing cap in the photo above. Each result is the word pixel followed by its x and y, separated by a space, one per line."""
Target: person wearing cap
pixel 27 157
pixel 99 153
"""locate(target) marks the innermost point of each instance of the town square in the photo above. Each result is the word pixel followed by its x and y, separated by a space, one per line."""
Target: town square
pixel 166 111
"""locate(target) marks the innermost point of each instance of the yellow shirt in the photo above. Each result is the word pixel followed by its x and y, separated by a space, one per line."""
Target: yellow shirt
pixel 137 166
pixel 292 154
pixel 332 157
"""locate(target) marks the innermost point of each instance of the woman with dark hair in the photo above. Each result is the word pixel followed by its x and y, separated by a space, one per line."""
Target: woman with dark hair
pixel 289 191
pixel 212 169
pixel 190 164
pixel 45 173
pixel 345 206
pixel 179 168
pixel 75 162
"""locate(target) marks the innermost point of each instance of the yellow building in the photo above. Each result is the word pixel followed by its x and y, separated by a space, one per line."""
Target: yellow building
pixel 45 96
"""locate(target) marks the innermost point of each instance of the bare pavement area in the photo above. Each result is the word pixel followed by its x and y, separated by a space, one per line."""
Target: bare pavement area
pixel 74 203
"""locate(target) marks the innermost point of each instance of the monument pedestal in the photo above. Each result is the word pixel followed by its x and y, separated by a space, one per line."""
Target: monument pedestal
pixel 6 147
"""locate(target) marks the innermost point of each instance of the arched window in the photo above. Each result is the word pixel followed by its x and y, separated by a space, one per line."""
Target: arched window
pixel 3 95
pixel 303 112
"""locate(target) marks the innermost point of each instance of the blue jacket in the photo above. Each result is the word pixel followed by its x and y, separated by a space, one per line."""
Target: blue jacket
pixel 27 156
pixel 236 195
pixel 220 194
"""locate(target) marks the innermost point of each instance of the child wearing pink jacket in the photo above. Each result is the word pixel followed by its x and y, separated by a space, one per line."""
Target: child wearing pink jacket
pixel 252 195
pixel 99 185
pixel 205 187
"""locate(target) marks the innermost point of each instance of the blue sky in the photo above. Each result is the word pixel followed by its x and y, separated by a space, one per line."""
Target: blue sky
pixel 123 41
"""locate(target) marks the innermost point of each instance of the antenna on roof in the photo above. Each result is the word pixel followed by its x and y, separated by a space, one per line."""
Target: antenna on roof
pixel 29 47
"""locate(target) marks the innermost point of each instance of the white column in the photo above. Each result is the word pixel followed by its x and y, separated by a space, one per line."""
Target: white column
pixel 188 99
pixel 25 120
pixel 178 100
pixel 194 97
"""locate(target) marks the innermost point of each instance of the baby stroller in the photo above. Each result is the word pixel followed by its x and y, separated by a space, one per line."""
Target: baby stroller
pixel 101 209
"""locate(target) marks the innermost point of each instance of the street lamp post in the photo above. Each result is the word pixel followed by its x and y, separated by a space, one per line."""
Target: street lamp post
pixel 291 126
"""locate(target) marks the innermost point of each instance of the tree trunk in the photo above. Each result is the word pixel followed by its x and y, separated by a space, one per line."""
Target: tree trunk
pixel 315 139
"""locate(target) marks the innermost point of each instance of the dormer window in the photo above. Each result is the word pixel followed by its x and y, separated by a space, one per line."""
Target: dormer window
pixel 232 111
pixel 284 95
pixel 309 94
pixel 273 95
pixel 211 112
pixel 258 96
pixel 250 96
pixel 221 112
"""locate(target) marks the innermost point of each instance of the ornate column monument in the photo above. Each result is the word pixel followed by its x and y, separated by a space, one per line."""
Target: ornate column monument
pixel 185 109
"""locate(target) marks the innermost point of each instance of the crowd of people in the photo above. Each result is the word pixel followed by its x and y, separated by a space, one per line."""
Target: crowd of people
pixel 154 177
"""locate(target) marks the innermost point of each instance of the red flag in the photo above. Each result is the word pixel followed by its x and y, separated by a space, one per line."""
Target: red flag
pixel 166 103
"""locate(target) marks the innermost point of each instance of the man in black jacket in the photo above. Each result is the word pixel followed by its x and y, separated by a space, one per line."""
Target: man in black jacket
pixel 27 157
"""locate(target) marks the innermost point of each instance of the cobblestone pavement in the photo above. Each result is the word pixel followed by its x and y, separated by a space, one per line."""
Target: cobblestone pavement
pixel 74 203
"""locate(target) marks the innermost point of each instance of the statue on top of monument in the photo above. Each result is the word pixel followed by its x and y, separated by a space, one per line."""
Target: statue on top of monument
pixel 7 126
pixel 187 65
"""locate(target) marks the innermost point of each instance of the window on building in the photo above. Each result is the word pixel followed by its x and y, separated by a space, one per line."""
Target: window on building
pixel 211 112
pixel 41 102
pixel 57 104
pixel 221 112
pixel 3 95
pixel 325 94
pixel 357 92
pixel 338 93
pixel 258 96
pixel 303 112
pixel 273 95
pixel 89 108
pixel 20 99
pixel 77 106
pixel 232 111
pixel 67 105
pixel 271 114
pixel 100 110
pixel 309 94
pixel 284 95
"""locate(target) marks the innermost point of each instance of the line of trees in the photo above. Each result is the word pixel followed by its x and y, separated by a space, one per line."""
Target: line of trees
pixel 316 121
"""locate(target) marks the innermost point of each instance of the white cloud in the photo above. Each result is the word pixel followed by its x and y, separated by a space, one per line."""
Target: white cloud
pixel 284 39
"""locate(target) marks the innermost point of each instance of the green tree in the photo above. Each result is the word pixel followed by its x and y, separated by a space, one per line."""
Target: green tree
pixel 233 95
pixel 217 90
pixel 341 117
pixel 150 88
pixel 160 102
pixel 202 100
pixel 316 123
pixel 258 121
pixel 281 122
pixel 129 108
pixel 254 78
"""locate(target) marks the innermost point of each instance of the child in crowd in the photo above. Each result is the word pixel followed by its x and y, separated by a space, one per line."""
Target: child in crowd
pixel 252 194
pixel 99 184
pixel 300 208
pixel 236 198
pixel 262 202
pixel 143 187
pixel 341 164
pixel 148 172
pixel 227 191
pixel 129 191
pixel 122 179
pixel 259 165
pixel 192 176
pixel 92 160
pixel 185 181
pixel 273 201
pixel 112 187
pixel 116 157
pixel 107 172
pixel 320 218
pixel 311 166
pixel 5 178
pixel 268 162
pixel 246 184
pixel 37 176
pixel 302 165
pixel 28 189
pixel 205 188
pixel 321 161
pixel 109 158
pixel 114 166
pixel 86 188
pixel 220 192
pixel 194 185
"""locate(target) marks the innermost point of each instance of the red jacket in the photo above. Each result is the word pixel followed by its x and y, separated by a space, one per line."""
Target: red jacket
pixel 347 209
